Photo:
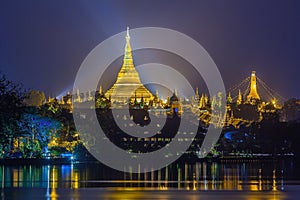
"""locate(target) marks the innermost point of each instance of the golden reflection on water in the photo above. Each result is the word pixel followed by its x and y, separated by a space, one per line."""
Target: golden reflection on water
pixel 162 184
pixel 15 178
pixel 54 180
pixel 74 178
pixel 274 187
pixel 259 180
pixel 126 195
pixel 199 176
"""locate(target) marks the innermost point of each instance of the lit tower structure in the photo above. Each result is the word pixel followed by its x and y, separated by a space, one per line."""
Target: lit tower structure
pixel 239 100
pixel 128 85
pixel 175 104
pixel 253 94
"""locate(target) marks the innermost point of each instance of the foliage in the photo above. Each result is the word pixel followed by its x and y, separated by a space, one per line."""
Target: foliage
pixel 31 150
pixel 56 151
pixel 11 97
pixel 38 128
pixel 67 136
pixel 28 128
pixel 81 153
pixel 34 98
pixel 291 110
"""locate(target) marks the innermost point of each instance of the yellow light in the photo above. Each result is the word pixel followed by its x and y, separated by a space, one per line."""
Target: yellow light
pixel 128 80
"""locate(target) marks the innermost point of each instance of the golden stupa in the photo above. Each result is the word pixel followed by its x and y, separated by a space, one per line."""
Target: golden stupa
pixel 128 86
pixel 253 94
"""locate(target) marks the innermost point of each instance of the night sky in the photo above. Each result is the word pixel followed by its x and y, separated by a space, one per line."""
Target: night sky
pixel 43 43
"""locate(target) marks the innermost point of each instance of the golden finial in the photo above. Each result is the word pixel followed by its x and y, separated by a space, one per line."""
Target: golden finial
pixel 127 34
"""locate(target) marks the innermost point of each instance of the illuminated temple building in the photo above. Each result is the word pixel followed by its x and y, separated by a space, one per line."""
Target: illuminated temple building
pixel 253 94
pixel 246 105
pixel 242 100
pixel 128 85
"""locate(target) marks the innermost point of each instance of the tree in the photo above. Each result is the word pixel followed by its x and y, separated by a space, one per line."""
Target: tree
pixel 34 98
pixel 11 97
pixel 39 130
pixel 291 110
pixel 67 135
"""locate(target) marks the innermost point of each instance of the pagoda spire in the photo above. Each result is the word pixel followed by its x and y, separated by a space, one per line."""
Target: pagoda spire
pixel 175 92
pixel 197 94
pixel 100 90
pixel 202 103
pixel 127 60
pixel 127 34
pixel 128 83
pixel 253 88
pixel 128 72
pixel 229 98
pixel 239 98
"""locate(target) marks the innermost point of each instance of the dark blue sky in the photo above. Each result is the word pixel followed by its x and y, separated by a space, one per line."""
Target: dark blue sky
pixel 42 43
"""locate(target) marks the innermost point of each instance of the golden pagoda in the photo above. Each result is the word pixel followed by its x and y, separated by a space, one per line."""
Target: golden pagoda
pixel 253 94
pixel 128 85
pixel 239 100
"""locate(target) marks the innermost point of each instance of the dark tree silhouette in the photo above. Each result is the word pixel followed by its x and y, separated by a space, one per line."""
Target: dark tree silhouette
pixel 11 98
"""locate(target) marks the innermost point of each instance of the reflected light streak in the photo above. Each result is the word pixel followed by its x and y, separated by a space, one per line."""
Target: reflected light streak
pixel 274 188
pixel 260 181
pixel 54 194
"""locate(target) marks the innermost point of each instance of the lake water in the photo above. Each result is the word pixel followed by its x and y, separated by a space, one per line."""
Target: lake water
pixel 177 181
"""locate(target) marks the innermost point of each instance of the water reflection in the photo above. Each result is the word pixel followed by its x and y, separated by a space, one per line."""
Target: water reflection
pixel 254 176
